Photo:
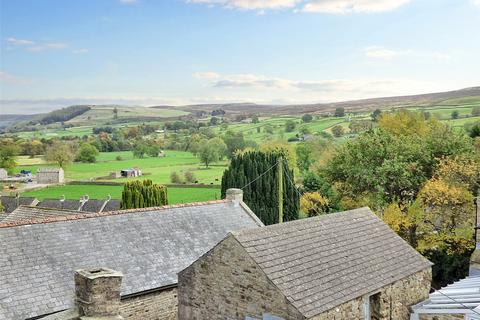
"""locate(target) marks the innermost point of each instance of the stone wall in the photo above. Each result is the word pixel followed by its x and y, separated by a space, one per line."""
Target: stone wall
pixel 395 300
pixel 227 284
pixel 158 305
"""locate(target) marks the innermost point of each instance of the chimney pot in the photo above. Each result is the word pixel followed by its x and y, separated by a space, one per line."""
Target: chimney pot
pixel 97 293
pixel 235 195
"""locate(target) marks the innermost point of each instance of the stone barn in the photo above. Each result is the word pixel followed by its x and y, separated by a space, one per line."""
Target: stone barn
pixel 50 175
pixel 347 265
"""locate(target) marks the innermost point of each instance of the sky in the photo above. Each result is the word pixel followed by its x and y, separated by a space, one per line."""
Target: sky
pixel 56 53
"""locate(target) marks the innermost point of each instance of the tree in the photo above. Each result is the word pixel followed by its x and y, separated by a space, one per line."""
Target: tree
pixel 211 151
pixel 143 194
pixel 115 113
pixel 87 153
pixel 376 115
pixel 8 152
pixel 338 131
pixel 455 114
pixel 255 172
pixel 314 204
pixel 32 148
pixel 307 118
pixel 255 119
pixel 340 112
pixel 153 150
pixel 290 126
pixel 283 149
pixel 140 150
pixel 235 141
pixel 60 153
pixel 214 121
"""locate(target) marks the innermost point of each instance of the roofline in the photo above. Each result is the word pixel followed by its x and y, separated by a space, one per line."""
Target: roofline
pixel 80 215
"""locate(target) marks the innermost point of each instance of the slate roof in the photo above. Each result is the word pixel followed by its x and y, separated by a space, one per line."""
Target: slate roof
pixel 322 262
pixel 28 214
pixel 10 203
pixel 60 204
pixel 149 246
pixel 93 206
pixel 112 205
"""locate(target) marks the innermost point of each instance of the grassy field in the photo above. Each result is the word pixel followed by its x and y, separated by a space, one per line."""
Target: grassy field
pixel 175 195
pixel 156 169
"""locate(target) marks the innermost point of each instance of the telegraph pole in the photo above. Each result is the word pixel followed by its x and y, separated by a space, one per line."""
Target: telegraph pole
pixel 280 189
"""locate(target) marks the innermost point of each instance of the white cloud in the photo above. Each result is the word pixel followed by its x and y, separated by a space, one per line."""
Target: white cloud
pixel 20 42
pixel 8 78
pixel 34 46
pixel 352 6
pixel 382 53
pixel 206 75
pixel 476 2
pixel 260 87
pixel 250 4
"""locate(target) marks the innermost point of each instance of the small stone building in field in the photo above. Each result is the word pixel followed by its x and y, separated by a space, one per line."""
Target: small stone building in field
pixel 342 266
pixel 50 175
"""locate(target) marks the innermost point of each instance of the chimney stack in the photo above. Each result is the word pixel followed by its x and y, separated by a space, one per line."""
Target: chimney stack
pixel 97 293
pixel 235 195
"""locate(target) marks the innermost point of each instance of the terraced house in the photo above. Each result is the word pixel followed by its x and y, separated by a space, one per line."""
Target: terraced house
pixel 40 251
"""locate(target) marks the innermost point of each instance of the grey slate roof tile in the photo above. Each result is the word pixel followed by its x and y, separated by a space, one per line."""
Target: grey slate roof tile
pixel 149 247
pixel 11 203
pixel 29 214
pixel 320 263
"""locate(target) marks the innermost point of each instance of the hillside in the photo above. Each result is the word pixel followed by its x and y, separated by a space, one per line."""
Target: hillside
pixel 449 98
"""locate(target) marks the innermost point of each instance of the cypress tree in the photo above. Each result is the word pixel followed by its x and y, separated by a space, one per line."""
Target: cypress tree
pixel 262 194
pixel 143 194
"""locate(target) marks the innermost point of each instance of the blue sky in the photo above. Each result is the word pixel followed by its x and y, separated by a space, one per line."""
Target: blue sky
pixel 56 53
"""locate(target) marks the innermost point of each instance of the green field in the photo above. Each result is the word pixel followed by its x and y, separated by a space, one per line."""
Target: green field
pixel 156 169
pixel 175 195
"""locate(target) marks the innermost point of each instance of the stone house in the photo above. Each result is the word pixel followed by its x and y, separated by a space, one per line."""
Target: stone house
pixel 50 175
pixel 347 265
pixel 149 246
pixel 3 174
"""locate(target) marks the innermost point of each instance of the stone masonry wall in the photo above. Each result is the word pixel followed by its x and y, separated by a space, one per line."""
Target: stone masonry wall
pixel 395 300
pixel 227 284
pixel 160 305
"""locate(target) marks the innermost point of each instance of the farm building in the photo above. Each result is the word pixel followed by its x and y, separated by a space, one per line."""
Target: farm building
pixel 50 175
pixel 148 246
pixel 133 172
pixel 3 173
pixel 347 265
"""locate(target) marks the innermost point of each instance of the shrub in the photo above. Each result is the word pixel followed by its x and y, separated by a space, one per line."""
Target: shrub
pixel 189 176
pixel 118 158
pixel 175 177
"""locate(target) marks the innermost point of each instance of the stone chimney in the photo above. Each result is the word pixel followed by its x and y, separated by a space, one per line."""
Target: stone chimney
pixel 475 258
pixel 235 195
pixel 97 294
